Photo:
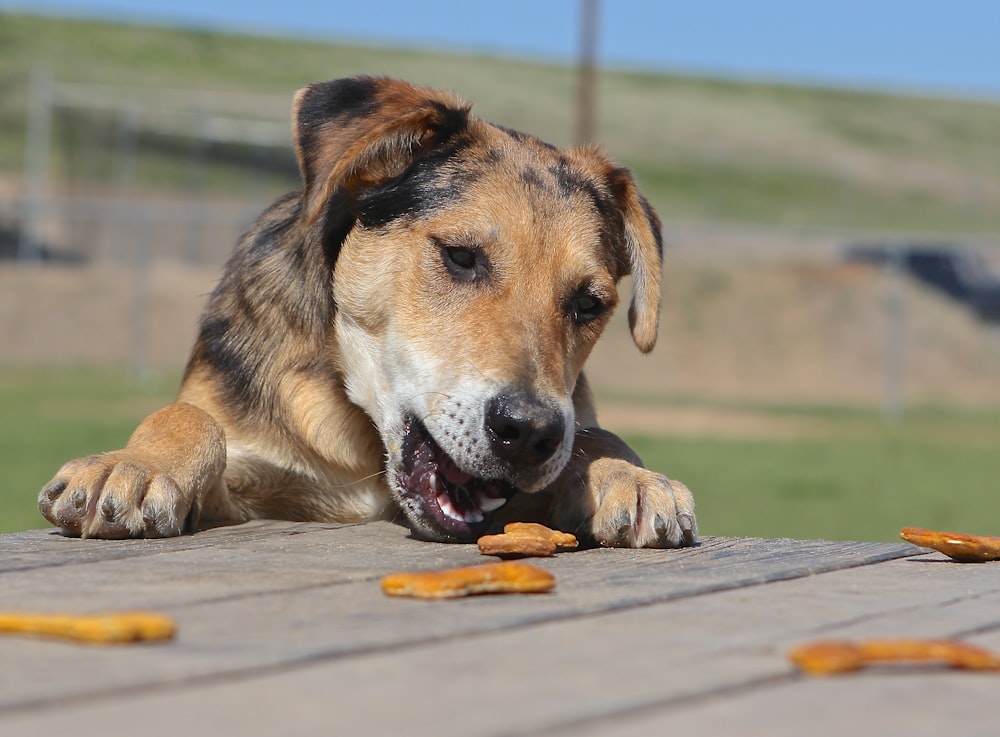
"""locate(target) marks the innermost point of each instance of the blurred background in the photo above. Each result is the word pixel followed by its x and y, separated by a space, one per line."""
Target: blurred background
pixel 828 175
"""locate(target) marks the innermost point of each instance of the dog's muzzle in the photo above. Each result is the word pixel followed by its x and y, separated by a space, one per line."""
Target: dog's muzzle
pixel 443 501
pixel 510 446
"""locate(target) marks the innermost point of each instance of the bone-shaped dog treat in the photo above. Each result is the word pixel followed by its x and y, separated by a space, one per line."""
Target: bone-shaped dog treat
pixel 837 656
pixel 957 545
pixel 526 539
pixel 108 628
pixel 508 577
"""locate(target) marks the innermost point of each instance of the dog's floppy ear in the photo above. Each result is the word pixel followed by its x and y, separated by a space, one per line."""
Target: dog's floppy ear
pixel 642 244
pixel 355 132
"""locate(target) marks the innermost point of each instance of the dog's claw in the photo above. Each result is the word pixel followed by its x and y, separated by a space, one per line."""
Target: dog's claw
pixel 78 499
pixel 623 523
pixel 665 528
pixel 54 491
pixel 110 509
pixel 686 522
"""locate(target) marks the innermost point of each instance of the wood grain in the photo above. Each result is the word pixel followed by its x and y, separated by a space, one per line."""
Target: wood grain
pixel 283 629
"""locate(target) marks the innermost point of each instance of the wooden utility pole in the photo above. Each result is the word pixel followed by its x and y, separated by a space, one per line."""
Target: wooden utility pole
pixel 587 64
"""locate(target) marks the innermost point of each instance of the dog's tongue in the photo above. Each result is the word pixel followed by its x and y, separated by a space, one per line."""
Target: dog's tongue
pixel 451 472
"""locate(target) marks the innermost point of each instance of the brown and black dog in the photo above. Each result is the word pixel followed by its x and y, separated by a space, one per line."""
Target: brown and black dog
pixel 406 334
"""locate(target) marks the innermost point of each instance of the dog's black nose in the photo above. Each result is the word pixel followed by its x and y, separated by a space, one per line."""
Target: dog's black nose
pixel 522 430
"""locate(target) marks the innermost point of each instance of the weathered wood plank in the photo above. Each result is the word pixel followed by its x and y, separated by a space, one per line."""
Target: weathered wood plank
pixel 306 558
pixel 715 660
pixel 47 548
pixel 272 594
pixel 272 556
pixel 915 704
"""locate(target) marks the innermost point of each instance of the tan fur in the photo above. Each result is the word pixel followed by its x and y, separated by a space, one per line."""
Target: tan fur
pixel 347 355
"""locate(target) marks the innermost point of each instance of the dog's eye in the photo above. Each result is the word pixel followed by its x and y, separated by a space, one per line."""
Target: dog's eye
pixel 584 307
pixel 465 263
pixel 463 258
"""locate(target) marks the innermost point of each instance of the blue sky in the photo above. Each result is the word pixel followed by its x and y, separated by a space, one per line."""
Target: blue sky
pixel 940 46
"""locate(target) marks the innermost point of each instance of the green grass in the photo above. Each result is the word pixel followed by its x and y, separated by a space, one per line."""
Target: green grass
pixel 854 477
pixel 703 148
pixel 50 415
pixel 863 481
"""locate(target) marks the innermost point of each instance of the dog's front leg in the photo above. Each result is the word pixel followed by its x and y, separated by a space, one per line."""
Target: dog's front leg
pixel 605 494
pixel 155 487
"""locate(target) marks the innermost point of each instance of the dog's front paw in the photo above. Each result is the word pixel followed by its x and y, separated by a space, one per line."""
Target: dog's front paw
pixel 638 508
pixel 114 495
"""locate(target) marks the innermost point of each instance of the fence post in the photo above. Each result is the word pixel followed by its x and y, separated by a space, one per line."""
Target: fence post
pixel 892 391
pixel 123 174
pixel 139 316
pixel 37 144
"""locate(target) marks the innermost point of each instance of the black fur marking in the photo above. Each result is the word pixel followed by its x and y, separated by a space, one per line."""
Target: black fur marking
pixel 524 137
pixel 533 179
pixel 494 155
pixel 451 123
pixel 337 224
pixel 354 95
pixel 235 364
pixel 430 183
pixel 324 103
pixel 275 221
pixel 327 101
pixel 273 301
pixel 654 224
pixel 516 135
pixel 571 182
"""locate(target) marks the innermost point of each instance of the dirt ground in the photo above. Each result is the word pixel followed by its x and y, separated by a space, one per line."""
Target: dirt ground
pixel 766 332
pixel 808 332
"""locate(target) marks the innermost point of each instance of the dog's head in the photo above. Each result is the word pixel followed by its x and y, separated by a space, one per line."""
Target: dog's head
pixel 474 268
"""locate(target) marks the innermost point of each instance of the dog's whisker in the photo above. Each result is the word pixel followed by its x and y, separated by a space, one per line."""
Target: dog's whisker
pixel 442 394
pixel 356 482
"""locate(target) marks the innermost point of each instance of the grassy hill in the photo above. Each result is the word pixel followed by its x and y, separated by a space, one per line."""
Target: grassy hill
pixel 702 148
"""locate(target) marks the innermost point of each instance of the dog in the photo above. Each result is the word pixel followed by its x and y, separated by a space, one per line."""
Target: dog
pixel 404 338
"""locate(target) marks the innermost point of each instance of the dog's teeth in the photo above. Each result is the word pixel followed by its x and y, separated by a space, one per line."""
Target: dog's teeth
pixel 435 483
pixel 472 516
pixel 491 503
pixel 447 507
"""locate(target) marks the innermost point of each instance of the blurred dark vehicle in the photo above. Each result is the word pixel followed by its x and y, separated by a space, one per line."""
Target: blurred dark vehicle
pixel 10 239
pixel 961 274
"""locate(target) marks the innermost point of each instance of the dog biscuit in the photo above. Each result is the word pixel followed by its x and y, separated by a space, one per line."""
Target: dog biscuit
pixel 508 577
pixel 526 539
pixel 112 627
pixel 835 656
pixel 957 545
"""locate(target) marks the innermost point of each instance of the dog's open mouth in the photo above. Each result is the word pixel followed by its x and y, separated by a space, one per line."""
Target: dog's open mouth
pixel 453 504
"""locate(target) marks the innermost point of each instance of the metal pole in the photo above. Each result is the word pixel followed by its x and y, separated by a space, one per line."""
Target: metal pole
pixel 193 248
pixel 123 174
pixel 37 143
pixel 892 394
pixel 587 64
pixel 142 273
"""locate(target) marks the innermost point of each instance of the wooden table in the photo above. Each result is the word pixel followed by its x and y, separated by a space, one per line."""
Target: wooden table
pixel 284 631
